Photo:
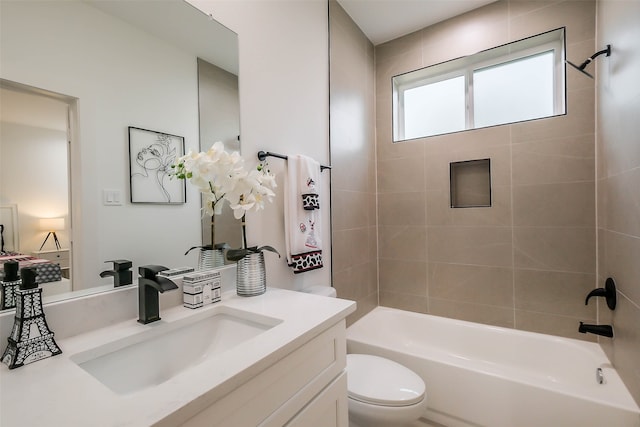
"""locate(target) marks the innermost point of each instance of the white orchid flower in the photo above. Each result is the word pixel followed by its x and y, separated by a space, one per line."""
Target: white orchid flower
pixel 245 204
pixel 221 176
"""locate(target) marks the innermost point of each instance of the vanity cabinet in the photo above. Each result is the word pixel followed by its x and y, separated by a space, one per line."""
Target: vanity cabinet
pixel 308 387
pixel 328 409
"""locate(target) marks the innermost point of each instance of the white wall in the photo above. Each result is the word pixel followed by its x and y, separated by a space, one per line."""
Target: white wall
pixel 618 109
pixel 219 103
pixel 121 77
pixel 284 105
pixel 33 170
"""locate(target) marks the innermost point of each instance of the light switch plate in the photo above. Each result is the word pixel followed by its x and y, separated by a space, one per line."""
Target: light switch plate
pixel 112 197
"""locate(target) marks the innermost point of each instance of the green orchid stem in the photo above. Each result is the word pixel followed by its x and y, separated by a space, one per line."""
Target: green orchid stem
pixel 238 254
pixel 244 231
pixel 213 230
pixel 213 217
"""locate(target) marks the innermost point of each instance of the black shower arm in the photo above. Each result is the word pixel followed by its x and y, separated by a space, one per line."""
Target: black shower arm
pixel 606 51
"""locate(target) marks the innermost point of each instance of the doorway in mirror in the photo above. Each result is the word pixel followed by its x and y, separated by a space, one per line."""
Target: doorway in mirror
pixel 35 176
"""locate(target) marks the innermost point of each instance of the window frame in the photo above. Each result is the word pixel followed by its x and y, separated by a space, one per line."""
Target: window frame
pixel 550 41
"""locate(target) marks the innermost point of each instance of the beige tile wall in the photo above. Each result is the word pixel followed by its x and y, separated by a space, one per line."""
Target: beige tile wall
pixel 618 148
pixel 353 181
pixel 529 260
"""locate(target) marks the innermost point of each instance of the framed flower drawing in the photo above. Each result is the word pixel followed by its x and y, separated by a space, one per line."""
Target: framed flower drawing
pixel 151 155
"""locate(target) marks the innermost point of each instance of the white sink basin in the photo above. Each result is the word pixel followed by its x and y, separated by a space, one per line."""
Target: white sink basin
pixel 163 350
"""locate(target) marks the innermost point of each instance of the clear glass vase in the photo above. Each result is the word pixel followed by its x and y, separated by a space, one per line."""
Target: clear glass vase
pixel 251 275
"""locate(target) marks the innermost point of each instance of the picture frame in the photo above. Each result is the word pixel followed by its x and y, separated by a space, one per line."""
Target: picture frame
pixel 151 154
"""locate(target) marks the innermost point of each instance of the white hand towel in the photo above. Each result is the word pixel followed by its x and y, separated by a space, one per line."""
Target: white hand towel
pixel 303 228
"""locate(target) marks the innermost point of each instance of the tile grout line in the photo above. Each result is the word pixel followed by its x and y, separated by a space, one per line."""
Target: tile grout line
pixel 513 247
pixel 511 195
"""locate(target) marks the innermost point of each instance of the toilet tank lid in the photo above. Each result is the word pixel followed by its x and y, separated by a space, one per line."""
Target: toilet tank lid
pixel 326 291
pixel 379 381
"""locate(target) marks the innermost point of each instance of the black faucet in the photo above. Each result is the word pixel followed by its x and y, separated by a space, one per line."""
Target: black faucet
pixel 149 284
pixel 121 273
pixel 604 330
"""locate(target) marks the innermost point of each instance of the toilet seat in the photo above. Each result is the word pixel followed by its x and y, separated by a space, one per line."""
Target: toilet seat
pixel 378 381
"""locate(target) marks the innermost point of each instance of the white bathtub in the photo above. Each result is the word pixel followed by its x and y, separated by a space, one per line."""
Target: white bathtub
pixel 478 375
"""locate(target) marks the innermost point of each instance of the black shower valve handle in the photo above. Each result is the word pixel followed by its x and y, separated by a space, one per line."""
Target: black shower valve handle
pixel 609 292
pixel 599 292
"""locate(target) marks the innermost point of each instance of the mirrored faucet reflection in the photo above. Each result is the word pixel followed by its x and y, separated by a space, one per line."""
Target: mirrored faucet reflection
pixel 149 286
pixel 121 273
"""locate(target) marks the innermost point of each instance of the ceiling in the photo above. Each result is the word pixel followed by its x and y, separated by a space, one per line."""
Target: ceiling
pixel 384 20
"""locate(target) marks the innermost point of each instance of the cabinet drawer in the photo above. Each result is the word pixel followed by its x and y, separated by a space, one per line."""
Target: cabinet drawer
pixel 329 409
pixel 59 257
pixel 64 263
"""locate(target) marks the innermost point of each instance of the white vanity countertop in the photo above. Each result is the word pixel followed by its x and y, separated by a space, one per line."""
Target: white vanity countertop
pixel 57 392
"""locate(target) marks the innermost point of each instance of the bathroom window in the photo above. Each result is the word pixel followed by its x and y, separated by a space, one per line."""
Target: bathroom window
pixel 424 117
pixel 514 91
pixel 520 81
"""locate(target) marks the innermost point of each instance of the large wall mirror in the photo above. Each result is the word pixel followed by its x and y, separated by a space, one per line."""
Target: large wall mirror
pixel 75 76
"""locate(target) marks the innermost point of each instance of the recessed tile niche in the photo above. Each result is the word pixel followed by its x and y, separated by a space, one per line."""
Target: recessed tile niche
pixel 470 183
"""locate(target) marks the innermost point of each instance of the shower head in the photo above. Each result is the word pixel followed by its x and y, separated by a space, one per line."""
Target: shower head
pixel 579 68
pixel 587 61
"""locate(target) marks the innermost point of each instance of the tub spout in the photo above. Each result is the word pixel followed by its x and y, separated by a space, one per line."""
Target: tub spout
pixel 604 330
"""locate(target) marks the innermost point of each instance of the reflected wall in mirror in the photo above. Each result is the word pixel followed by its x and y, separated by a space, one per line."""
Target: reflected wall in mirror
pixel 219 108
pixel 130 63
pixel 34 170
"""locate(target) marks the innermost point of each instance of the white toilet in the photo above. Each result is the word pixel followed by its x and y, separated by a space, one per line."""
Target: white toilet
pixel 383 393
pixel 326 291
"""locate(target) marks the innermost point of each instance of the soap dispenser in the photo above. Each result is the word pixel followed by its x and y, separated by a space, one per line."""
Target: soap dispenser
pixel 31 339
pixel 10 283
